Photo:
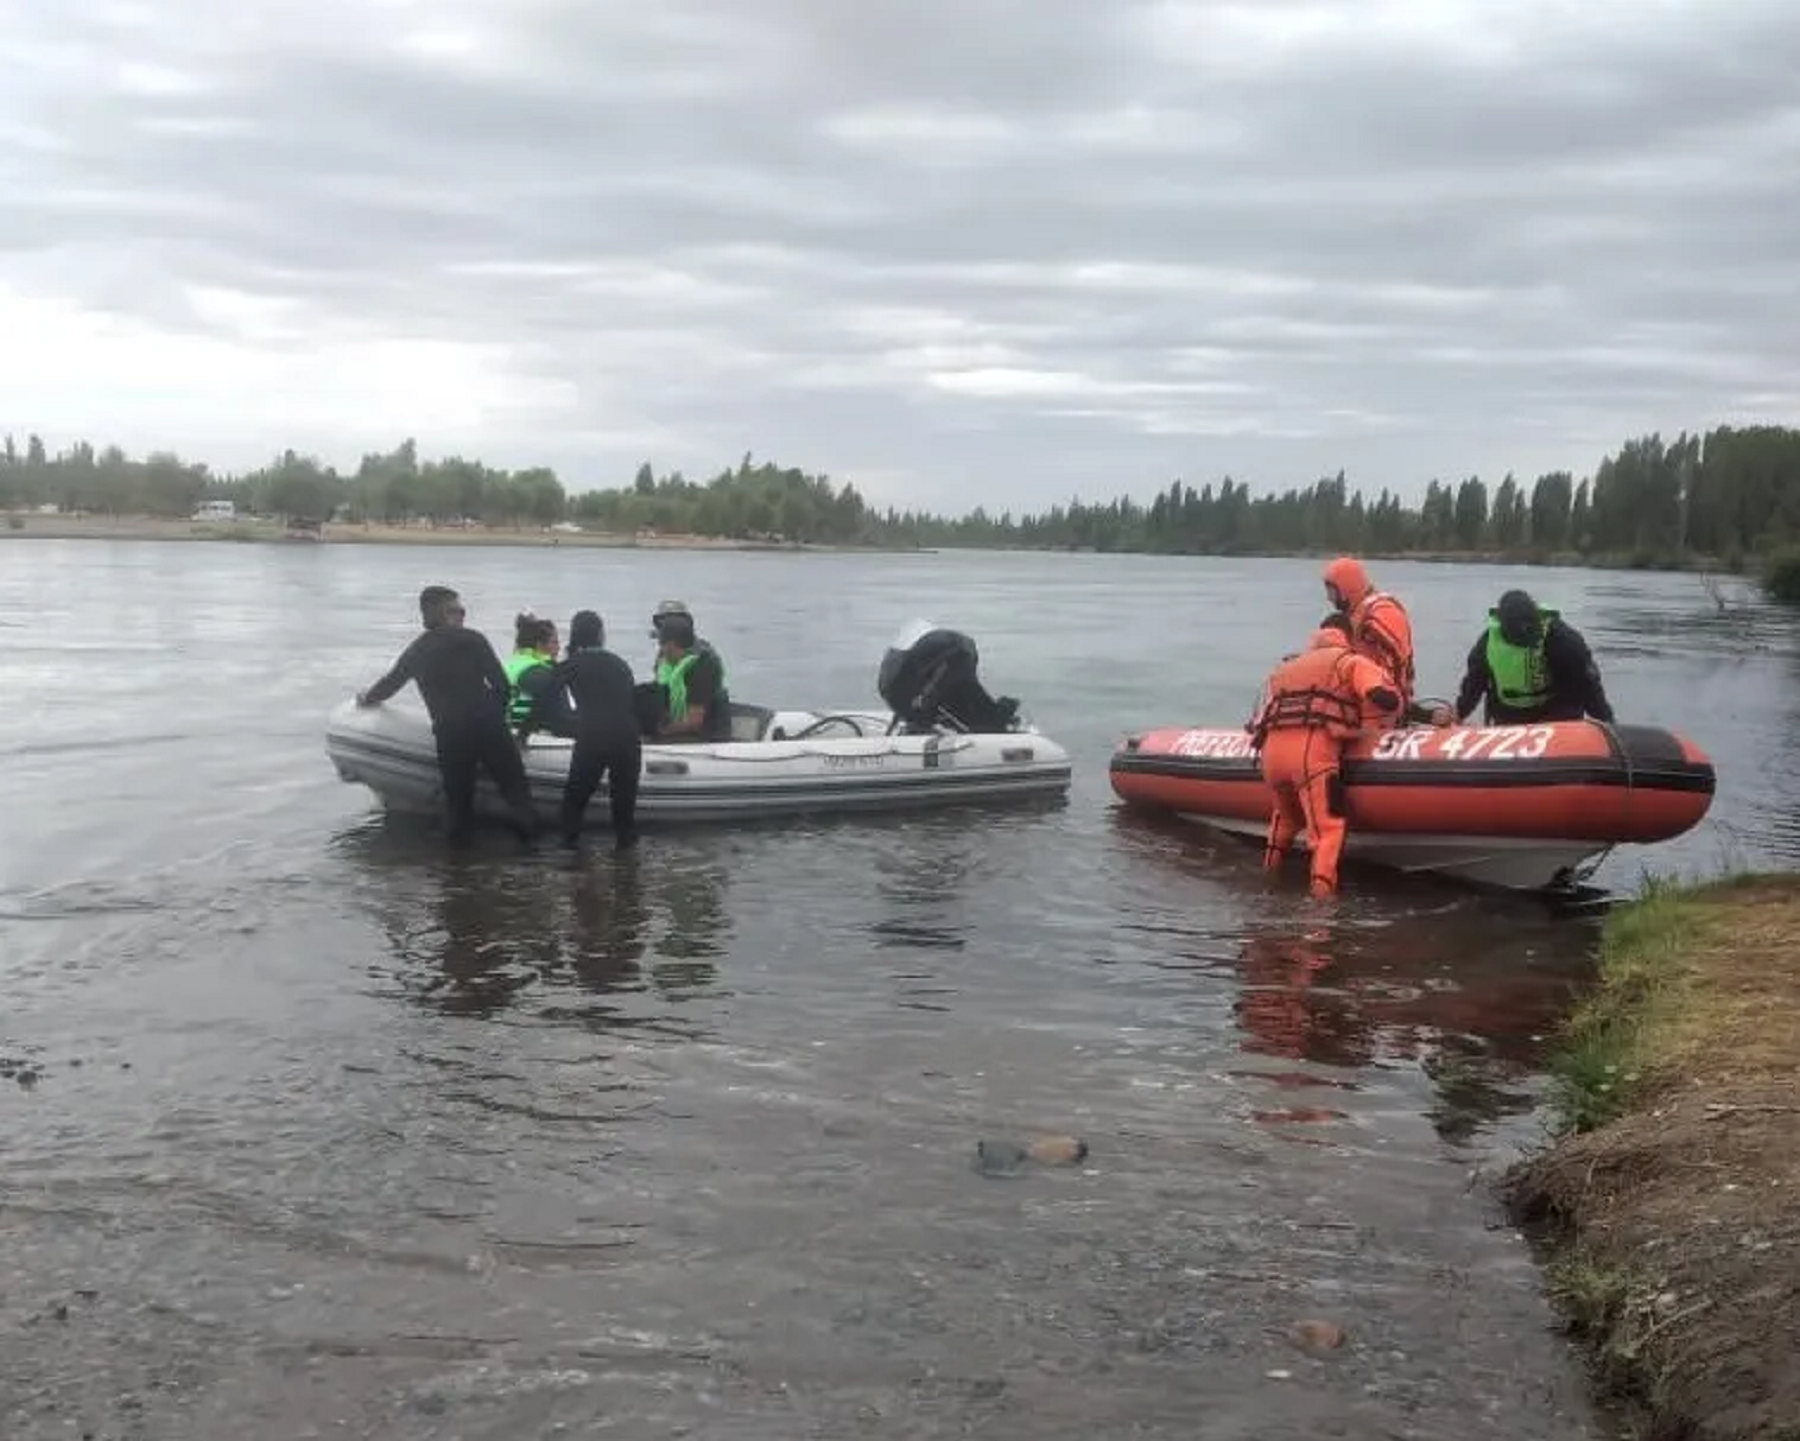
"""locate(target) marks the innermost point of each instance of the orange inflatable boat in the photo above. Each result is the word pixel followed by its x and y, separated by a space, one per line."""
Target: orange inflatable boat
pixel 1521 807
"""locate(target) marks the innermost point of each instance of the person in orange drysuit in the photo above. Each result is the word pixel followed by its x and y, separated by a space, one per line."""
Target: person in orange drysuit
pixel 1315 703
pixel 1379 626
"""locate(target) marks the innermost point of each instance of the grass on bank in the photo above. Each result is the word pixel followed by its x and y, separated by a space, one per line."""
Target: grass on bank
pixel 1692 980
pixel 1670 1199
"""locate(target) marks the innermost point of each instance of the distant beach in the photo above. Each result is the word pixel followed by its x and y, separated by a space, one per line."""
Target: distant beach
pixel 38 526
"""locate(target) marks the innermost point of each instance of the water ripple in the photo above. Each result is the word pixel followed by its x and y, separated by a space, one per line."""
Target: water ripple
pixel 323 1127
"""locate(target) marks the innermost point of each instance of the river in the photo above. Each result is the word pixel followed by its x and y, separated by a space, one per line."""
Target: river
pixel 309 1130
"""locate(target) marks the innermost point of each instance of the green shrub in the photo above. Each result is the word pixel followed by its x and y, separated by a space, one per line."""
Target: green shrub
pixel 1781 576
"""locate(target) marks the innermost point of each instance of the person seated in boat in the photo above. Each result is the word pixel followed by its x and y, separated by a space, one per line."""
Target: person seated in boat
pixel 1530 666
pixel 465 691
pixel 691 677
pixel 604 723
pixel 663 610
pixel 528 671
pixel 1315 704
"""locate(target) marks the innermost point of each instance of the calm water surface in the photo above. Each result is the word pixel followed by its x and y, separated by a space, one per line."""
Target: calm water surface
pixel 312 1131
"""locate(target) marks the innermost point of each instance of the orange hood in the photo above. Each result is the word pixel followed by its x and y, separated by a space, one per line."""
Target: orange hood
pixel 1351 580
pixel 1328 637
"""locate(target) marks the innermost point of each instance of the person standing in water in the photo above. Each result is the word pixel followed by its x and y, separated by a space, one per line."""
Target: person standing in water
pixel 1314 704
pixel 605 726
pixel 465 691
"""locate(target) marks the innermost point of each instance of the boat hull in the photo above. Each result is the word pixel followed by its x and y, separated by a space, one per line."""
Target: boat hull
pixel 848 764
pixel 1516 807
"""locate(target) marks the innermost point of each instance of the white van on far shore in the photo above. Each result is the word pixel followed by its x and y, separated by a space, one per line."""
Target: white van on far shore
pixel 216 510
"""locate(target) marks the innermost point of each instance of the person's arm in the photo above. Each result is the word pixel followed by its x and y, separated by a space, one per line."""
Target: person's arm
pixel 1477 679
pixel 1381 701
pixel 1576 671
pixel 1259 711
pixel 492 671
pixel 398 675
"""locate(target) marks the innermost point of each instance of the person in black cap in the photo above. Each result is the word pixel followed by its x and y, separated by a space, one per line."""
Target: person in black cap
pixel 465 691
pixel 690 676
pixel 605 727
pixel 1531 666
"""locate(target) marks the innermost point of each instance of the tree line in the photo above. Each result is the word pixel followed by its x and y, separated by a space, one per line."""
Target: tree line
pixel 1725 496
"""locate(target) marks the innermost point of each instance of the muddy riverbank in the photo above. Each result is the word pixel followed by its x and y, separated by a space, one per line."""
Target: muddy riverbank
pixel 1671 1204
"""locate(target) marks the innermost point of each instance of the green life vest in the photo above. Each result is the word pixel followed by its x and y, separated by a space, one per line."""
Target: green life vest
pixel 673 679
pixel 1521 673
pixel 518 704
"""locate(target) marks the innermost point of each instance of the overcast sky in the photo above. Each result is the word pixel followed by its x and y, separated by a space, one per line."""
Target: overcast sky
pixel 954 250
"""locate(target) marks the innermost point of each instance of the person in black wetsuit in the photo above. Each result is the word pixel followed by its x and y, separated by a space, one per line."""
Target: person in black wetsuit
pixel 605 727
pixel 465 692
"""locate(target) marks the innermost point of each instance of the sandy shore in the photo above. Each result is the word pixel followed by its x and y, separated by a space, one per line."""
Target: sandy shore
pixel 29 526
pixel 1671 1202
pixel 71 527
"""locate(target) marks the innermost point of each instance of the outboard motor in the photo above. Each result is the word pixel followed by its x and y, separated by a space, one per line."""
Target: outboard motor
pixel 928 678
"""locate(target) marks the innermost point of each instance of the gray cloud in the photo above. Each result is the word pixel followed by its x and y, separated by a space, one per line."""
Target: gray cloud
pixel 995 251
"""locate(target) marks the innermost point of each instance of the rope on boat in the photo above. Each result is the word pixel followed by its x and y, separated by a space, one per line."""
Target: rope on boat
pixel 711 753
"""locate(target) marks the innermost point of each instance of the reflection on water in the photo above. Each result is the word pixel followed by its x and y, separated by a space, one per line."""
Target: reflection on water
pixel 923 895
pixel 1475 1018
pixel 1466 988
pixel 572 938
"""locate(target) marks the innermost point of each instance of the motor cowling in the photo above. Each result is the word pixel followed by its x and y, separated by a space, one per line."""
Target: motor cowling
pixel 930 679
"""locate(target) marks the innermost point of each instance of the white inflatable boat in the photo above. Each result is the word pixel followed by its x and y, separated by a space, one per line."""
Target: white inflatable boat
pixel 945 743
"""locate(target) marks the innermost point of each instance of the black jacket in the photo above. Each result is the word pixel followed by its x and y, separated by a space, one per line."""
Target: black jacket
pixel 458 675
pixel 590 693
pixel 549 702
pixel 705 689
pixel 705 692
pixel 1575 688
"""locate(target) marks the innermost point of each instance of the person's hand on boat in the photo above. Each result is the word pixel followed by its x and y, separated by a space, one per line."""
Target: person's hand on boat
pixel 363 702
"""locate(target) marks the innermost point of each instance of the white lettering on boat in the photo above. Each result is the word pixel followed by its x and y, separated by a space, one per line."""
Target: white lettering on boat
pixel 1212 745
pixel 1400 745
pixel 854 762
pixel 1467 743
